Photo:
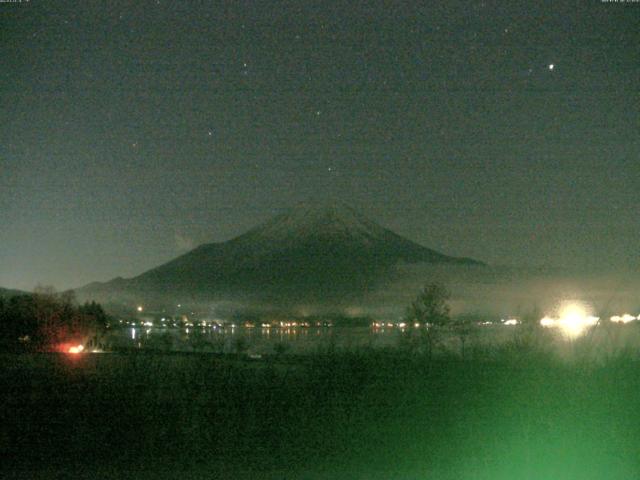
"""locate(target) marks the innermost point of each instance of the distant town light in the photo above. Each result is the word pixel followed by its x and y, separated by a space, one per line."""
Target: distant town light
pixel 573 319
pixel 547 322
pixel 139 308
pixel 626 318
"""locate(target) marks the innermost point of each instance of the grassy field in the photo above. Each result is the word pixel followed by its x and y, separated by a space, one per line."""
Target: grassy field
pixel 337 415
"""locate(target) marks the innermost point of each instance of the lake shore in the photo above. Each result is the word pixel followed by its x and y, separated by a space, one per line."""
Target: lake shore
pixel 341 414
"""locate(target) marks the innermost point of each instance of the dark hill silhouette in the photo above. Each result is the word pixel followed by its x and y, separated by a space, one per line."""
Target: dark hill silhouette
pixel 308 253
pixel 6 293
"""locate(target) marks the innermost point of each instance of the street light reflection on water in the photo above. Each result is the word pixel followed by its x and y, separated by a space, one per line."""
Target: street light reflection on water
pixel 571 319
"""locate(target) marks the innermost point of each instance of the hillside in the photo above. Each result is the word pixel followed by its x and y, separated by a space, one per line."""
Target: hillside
pixel 6 293
pixel 310 252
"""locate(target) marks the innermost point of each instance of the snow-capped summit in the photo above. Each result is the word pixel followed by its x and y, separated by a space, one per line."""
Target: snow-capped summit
pixel 318 251
pixel 306 221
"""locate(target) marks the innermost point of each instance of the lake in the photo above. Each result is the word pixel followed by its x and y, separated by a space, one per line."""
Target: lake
pixel 294 340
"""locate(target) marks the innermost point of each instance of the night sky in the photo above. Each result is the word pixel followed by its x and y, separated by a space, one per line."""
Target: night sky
pixel 133 131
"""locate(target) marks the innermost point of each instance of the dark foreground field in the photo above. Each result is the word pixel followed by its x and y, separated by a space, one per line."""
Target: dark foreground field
pixel 358 415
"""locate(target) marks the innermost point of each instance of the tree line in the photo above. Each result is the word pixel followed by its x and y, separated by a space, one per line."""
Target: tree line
pixel 46 320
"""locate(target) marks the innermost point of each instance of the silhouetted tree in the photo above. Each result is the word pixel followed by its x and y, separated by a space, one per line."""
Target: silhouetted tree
pixel 96 312
pixel 45 319
pixel 430 307
pixel 17 321
pixel 431 310
pixel 463 327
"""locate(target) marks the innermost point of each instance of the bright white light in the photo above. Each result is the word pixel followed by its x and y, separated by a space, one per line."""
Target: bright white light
pixel 626 318
pixel 551 66
pixel 139 308
pixel 548 322
pixel 76 349
pixel 573 319
pixel 511 321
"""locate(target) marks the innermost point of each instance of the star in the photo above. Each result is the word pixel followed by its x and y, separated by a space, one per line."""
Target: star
pixel 551 66
pixel 210 133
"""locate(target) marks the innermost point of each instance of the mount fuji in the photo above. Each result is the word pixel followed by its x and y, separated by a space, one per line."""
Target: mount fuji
pixel 309 253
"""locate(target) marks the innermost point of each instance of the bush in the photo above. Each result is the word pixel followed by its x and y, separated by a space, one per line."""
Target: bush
pixel 45 319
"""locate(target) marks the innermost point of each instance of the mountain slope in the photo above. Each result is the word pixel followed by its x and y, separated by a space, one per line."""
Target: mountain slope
pixel 6 293
pixel 308 253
